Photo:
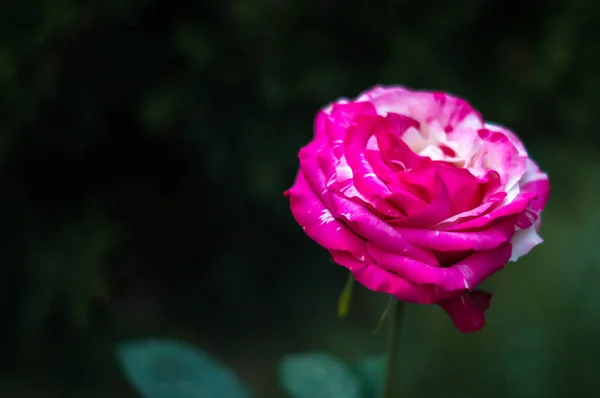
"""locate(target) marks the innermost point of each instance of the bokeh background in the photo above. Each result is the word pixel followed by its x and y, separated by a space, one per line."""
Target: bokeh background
pixel 145 146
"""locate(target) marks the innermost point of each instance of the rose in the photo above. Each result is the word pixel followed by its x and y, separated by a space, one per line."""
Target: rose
pixel 419 197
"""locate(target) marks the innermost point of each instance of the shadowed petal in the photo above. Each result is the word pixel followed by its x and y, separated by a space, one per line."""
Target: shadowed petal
pixel 468 311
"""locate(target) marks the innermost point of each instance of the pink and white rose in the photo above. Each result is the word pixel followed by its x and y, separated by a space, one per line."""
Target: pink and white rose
pixel 419 197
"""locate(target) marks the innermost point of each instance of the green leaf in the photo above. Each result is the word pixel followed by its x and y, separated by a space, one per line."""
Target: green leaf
pixel 345 297
pixel 316 375
pixel 371 372
pixel 171 369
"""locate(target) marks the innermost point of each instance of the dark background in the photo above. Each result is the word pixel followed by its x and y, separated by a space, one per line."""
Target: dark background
pixel 145 146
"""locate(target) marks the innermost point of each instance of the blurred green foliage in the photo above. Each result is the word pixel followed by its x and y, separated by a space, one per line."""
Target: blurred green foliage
pixel 145 145
pixel 318 375
pixel 172 369
pixel 167 368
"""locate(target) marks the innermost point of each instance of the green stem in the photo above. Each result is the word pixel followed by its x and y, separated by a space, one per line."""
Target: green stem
pixel 391 387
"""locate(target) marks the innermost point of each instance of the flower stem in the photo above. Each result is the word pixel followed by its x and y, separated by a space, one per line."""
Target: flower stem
pixel 391 385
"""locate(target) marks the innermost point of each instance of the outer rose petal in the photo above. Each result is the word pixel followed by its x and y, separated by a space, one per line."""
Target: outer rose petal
pixel 454 240
pixel 318 223
pixel 524 240
pixel 427 107
pixel 510 135
pixel 378 91
pixel 377 279
pixel 466 274
pixel 500 154
pixel 535 181
pixel 467 311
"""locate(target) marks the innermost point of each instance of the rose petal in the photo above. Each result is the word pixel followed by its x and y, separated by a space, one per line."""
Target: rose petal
pixel 468 311
pixel 469 215
pixel 395 152
pixel 318 222
pixel 313 162
pixel 370 227
pixel 428 106
pixel 524 240
pixel 437 199
pixel 380 168
pixel 536 182
pixel 345 115
pixel 511 209
pixel 464 189
pixel 498 153
pixel 378 91
pixel 466 274
pixel 510 135
pixel 486 239
pixel 320 125
pixel 377 279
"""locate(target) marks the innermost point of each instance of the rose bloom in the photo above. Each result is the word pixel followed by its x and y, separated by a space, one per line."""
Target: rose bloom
pixel 419 197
